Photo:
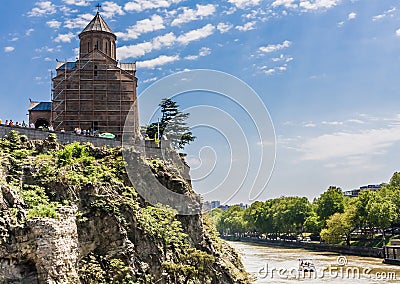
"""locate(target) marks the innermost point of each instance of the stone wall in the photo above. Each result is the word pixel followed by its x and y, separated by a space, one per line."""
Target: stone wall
pixel 63 138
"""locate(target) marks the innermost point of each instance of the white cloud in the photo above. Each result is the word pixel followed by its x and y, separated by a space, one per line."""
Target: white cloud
pixel 306 5
pixel 332 122
pixel 143 48
pixel 318 4
pixel 204 51
pixel 167 40
pixel 110 9
pixel 48 49
pixel 9 49
pixel 344 145
pixel 64 37
pixel 398 32
pixel 159 61
pixel 139 6
pixel 282 58
pixel 194 35
pixel 388 13
pixel 150 80
pixel 78 22
pixel 164 40
pixel 271 71
pixel 67 10
pixel 14 39
pixel 352 16
pixel 189 15
pixel 285 3
pixel 224 27
pixel 77 2
pixel 275 47
pixel 192 57
pixel 29 32
pixel 358 121
pixel 155 23
pixel 310 124
pixel 244 3
pixel 42 8
pixel 246 27
pixel 53 24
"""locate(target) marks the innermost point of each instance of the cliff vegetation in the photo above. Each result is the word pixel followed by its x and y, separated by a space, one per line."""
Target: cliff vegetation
pixel 69 214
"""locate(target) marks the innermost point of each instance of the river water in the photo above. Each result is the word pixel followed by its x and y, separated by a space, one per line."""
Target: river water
pixel 280 265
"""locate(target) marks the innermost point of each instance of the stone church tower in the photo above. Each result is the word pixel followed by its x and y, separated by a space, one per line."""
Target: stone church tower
pixel 95 92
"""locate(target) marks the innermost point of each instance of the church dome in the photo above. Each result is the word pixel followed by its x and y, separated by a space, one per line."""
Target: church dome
pixel 97 24
pixel 97 35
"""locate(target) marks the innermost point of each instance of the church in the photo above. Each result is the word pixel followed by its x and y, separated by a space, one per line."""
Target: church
pixel 95 92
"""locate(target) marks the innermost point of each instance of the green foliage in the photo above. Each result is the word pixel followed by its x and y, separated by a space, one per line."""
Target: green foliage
pixel 339 226
pixel 38 202
pixel 24 139
pixel 313 224
pixel 162 224
pixel 44 210
pixel 73 153
pixel 381 212
pixel 52 137
pixel 194 265
pixel 14 140
pixel 173 125
pixel 232 221
pixel 284 214
pixel 101 269
pixel 329 203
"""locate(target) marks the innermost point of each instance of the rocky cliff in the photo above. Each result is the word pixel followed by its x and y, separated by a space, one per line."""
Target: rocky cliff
pixel 69 214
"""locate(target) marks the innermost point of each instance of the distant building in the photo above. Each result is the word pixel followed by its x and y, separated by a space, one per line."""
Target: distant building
pixel 243 206
pixel 356 192
pixel 215 204
pixel 224 207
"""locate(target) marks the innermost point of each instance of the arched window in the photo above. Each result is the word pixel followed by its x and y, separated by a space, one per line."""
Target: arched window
pixel 88 46
pixel 95 70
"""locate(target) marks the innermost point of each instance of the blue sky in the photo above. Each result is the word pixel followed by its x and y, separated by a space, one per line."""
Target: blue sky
pixel 327 70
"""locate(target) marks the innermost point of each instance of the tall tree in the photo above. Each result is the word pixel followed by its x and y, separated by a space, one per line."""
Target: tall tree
pixel 339 226
pixel 329 203
pixel 381 213
pixel 172 124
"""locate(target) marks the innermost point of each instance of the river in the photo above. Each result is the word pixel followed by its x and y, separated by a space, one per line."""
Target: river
pixel 280 265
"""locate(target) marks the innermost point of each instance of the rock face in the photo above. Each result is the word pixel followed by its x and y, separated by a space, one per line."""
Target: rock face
pixel 70 215
pixel 44 250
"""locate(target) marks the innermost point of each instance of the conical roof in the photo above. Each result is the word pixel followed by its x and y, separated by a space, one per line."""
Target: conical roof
pixel 97 24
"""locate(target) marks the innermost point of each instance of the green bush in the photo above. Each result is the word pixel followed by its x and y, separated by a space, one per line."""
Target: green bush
pixel 52 137
pixel 38 202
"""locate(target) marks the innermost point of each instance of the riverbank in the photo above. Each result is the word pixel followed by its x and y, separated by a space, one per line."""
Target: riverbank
pixel 351 250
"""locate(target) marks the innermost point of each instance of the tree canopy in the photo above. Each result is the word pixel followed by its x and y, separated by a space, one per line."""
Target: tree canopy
pixel 172 125
pixel 332 216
